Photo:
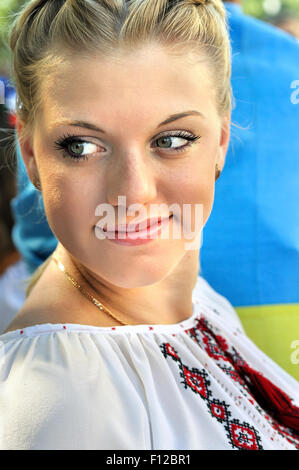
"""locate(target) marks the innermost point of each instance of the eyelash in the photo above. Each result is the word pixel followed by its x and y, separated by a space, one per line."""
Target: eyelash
pixel 63 143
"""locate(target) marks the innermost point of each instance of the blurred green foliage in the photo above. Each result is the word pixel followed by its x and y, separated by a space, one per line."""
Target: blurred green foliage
pixel 9 7
pixel 7 10
pixel 255 8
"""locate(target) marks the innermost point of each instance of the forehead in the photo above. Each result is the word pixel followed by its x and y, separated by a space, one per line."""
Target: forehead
pixel 148 80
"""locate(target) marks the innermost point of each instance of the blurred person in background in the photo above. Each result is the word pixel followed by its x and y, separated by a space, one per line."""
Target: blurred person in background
pixel 8 252
pixel 12 266
pixel 7 192
pixel 250 249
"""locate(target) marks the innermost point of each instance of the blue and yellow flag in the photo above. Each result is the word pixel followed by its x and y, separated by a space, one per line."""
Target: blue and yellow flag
pixel 250 251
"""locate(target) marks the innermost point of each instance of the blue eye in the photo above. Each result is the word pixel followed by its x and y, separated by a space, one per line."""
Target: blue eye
pixel 180 135
pixel 73 146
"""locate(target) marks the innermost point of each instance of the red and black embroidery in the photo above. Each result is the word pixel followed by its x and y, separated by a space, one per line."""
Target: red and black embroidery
pixel 282 414
pixel 243 436
pixel 196 380
pixel 201 334
pixel 284 432
pixel 240 435
pixel 233 374
pixel 219 409
pixel 267 399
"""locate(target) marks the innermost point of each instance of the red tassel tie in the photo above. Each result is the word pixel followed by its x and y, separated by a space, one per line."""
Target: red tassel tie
pixel 270 397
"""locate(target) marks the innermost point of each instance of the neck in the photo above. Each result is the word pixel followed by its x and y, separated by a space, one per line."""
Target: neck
pixel 166 302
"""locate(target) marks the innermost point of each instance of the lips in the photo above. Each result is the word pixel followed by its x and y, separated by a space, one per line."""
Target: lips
pixel 144 225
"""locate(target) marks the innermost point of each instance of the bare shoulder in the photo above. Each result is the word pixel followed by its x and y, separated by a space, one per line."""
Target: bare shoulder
pixel 45 303
pixel 24 319
pixel 54 300
pixel 38 309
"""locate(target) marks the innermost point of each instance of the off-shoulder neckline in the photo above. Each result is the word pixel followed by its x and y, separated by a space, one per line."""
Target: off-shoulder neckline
pixel 47 328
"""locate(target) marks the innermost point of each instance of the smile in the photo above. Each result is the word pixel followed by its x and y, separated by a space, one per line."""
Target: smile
pixel 148 234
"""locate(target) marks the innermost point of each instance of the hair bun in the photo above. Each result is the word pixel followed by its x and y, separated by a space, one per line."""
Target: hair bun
pixel 199 2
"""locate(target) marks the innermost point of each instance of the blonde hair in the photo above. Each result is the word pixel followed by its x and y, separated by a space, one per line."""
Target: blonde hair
pixel 44 31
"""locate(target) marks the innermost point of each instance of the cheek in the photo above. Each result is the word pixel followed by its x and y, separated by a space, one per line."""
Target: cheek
pixel 195 187
pixel 70 203
pixel 201 191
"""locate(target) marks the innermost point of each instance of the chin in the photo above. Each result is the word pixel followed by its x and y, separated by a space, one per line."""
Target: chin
pixel 142 278
pixel 129 272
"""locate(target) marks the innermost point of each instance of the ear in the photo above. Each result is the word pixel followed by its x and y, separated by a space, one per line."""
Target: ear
pixel 224 141
pixel 27 152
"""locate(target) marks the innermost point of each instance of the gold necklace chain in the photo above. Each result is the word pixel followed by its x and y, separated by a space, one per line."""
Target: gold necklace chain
pixel 85 292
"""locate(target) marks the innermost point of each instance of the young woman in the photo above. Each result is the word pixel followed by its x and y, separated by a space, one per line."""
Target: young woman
pixel 120 344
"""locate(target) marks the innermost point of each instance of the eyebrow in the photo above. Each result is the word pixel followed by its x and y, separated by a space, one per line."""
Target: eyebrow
pixel 88 125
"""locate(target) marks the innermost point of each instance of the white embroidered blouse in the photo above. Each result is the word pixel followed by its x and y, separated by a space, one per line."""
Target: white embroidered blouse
pixel 139 387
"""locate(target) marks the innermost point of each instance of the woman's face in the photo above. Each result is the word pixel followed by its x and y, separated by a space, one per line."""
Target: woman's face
pixel 115 108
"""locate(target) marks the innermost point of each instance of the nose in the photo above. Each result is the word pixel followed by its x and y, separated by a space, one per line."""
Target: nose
pixel 131 175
